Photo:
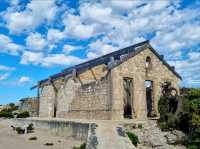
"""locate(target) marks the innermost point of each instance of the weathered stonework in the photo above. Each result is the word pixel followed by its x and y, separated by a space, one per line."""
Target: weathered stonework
pixel 29 104
pixel 97 93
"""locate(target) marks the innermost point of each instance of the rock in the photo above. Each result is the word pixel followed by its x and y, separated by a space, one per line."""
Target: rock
pixel 179 134
pixel 175 137
pixel 171 138
pixel 151 137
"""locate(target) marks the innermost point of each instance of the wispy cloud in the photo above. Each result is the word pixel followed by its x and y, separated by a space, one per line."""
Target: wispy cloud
pixel 24 80
pixel 4 76
pixel 6 68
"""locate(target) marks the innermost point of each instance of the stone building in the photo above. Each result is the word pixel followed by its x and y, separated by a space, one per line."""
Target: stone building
pixel 29 104
pixel 122 84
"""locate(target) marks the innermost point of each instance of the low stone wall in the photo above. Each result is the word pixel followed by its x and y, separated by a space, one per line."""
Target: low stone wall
pixel 73 129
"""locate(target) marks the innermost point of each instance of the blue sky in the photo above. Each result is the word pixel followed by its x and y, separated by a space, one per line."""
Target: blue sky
pixel 41 37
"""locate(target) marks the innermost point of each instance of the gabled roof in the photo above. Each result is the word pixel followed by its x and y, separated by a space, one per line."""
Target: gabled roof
pixel 126 53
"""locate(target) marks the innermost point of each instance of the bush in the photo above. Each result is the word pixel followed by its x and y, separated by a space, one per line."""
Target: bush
pixel 20 130
pixel 48 144
pixel 140 126
pixel 23 115
pixel 168 120
pixel 187 119
pixel 30 128
pixel 6 114
pixel 193 94
pixel 82 146
pixel 33 138
pixel 134 138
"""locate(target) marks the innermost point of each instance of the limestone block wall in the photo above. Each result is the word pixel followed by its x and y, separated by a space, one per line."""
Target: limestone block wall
pixel 47 99
pixel 98 93
pixel 85 97
pixel 135 68
pixel 131 69
pixel 159 73
pixel 91 101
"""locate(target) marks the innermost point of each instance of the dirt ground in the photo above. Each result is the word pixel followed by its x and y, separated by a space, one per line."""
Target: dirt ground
pixel 9 139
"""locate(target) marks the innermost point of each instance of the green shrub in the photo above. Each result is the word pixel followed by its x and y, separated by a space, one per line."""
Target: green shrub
pixel 6 114
pixel 140 126
pixel 187 119
pixel 20 130
pixel 48 144
pixel 23 115
pixel 193 94
pixel 134 138
pixel 82 146
pixel 33 138
pixel 30 128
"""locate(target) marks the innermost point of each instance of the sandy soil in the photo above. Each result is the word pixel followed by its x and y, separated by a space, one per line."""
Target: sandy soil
pixel 9 139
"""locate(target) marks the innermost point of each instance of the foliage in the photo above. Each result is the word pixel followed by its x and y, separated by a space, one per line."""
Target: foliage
pixel 134 138
pixel 20 130
pixel 186 120
pixel 30 128
pixel 193 94
pixel 33 138
pixel 48 144
pixel 23 115
pixel 6 114
pixel 140 126
pixel 11 107
pixel 82 146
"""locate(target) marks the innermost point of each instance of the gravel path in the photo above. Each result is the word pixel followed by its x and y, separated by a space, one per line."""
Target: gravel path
pixel 9 139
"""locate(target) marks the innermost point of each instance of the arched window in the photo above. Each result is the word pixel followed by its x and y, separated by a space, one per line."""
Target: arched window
pixel 148 62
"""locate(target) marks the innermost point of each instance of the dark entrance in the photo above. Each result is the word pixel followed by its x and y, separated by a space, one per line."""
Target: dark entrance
pixel 128 96
pixel 54 112
pixel 149 96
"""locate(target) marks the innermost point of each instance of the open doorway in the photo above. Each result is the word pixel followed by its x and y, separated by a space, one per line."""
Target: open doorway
pixel 128 97
pixel 54 111
pixel 149 96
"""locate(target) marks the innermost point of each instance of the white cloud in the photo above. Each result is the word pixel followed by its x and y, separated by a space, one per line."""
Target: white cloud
pixel 8 46
pixel 99 48
pixel 125 5
pixel 14 2
pixel 54 35
pixel 6 68
pixel 75 28
pixel 69 48
pixel 95 13
pixel 189 69
pixel 4 76
pixel 36 42
pixel 36 58
pixel 35 13
pixel 194 55
pixel 175 41
pixel 24 80
pixel 60 59
pixel 31 57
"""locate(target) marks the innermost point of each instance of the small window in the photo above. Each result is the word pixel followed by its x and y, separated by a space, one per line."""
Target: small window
pixel 148 62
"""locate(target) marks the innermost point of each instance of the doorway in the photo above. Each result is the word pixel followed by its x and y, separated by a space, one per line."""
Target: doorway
pixel 128 97
pixel 149 96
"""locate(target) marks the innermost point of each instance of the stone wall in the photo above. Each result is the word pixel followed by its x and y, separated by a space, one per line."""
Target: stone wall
pixel 98 93
pixel 87 96
pixel 47 100
pixel 29 104
pixel 135 68
pixel 62 128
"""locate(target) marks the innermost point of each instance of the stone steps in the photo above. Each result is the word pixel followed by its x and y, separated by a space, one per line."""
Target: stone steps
pixel 109 138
